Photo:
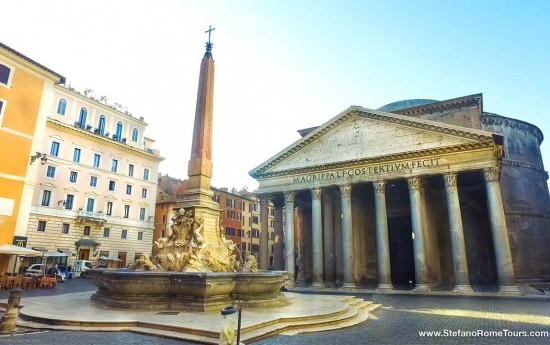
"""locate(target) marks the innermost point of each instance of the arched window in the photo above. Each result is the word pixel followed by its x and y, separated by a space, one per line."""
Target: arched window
pixel 101 125
pixel 118 131
pixel 61 106
pixel 135 134
pixel 82 117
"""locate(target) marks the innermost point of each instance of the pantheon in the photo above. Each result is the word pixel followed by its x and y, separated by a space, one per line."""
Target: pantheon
pixel 425 193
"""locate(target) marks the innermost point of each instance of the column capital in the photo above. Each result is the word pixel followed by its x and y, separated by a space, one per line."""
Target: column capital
pixel 379 186
pixel 289 196
pixel 492 174
pixel 264 197
pixel 415 183
pixel 345 191
pixel 450 179
pixel 316 193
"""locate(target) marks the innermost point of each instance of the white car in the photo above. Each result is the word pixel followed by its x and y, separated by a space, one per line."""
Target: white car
pixel 37 270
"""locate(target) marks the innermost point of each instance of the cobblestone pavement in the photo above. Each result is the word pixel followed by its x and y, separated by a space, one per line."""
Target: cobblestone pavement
pixel 398 322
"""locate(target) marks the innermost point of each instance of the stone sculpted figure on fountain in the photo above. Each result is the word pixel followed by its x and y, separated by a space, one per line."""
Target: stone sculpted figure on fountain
pixel 185 249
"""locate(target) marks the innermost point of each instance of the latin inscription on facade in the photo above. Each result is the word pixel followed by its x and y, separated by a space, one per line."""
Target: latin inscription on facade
pixel 368 170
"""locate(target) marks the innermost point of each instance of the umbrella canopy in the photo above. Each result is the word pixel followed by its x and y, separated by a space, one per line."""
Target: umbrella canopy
pixel 10 249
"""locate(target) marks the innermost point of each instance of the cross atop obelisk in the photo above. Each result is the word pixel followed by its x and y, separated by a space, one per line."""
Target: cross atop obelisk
pixel 200 165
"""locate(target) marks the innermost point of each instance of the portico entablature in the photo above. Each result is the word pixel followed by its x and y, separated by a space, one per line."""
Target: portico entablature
pixel 362 145
pixel 360 172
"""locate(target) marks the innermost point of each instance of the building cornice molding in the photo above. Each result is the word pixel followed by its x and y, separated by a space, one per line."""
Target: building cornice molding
pixel 30 64
pixel 498 120
pixel 100 139
pixel 476 99
pixel 381 159
pixel 480 139
pixel 96 103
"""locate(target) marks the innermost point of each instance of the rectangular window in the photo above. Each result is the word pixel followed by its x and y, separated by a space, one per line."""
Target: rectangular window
pixel 109 208
pixel 90 205
pixel 144 192
pixel 69 200
pixel 124 234
pixel 50 172
pixel 87 230
pixel 142 213
pixel 97 159
pixel 254 219
pixel 4 74
pixel 41 226
pixel 126 211
pixel 112 186
pixel 54 149
pixel 130 170
pixel 114 165
pixel 73 176
pixel 129 189
pixel 65 228
pixel 140 236
pixel 93 181
pixel 46 196
pixel 146 174
pixel 76 155
pixel 106 232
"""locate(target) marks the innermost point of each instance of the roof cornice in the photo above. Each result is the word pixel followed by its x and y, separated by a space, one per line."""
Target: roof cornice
pixel 467 133
pixel 31 64
pixel 97 103
pixel 100 139
pixel 476 99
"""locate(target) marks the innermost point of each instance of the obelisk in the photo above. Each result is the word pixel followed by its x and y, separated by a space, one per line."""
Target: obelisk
pixel 198 195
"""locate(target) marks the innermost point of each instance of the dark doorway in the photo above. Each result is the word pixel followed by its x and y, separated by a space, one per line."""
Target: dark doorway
pixel 401 250
pixel 83 254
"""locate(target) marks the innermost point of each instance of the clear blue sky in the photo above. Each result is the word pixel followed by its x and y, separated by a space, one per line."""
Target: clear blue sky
pixel 286 65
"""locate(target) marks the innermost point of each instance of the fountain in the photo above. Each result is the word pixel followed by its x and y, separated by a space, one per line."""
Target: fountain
pixel 195 269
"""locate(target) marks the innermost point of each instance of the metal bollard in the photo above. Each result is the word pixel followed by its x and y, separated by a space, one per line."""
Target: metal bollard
pixel 8 320
pixel 231 326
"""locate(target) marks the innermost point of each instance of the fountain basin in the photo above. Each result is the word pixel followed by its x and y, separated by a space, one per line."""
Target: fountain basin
pixel 186 291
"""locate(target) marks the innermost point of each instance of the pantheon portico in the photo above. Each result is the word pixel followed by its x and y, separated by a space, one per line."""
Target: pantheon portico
pixel 380 199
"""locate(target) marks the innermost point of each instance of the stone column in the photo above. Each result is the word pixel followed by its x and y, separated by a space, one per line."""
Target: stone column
pixel 263 263
pixel 382 237
pixel 458 246
pixel 347 237
pixel 278 261
pixel 289 237
pixel 415 184
pixel 499 231
pixel 328 240
pixel 317 237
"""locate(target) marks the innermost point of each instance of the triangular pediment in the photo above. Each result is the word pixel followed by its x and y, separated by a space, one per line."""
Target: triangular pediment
pixel 361 135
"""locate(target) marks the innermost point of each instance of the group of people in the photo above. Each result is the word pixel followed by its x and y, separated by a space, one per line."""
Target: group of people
pixel 52 271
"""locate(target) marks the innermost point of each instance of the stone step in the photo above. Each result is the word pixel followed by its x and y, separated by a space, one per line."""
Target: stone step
pixel 357 312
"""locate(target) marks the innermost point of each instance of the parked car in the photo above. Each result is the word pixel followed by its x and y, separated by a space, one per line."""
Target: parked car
pixel 80 267
pixel 38 269
pixel 35 270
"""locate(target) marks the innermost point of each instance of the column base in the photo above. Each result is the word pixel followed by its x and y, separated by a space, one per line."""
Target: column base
pixel 385 287
pixel 508 290
pixel 463 288
pixel 349 286
pixel 422 287
pixel 317 285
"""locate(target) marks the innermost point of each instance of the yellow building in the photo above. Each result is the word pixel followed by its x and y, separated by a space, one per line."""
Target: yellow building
pixel 25 98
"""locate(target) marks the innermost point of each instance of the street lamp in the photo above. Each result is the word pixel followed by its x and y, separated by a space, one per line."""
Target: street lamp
pixel 42 156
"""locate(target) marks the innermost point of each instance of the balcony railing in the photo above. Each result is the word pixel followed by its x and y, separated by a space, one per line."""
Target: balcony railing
pixel 92 216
